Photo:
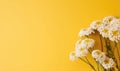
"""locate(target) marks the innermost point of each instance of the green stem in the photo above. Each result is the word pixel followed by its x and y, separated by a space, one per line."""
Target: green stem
pixel 106 45
pixel 98 66
pixel 93 48
pixel 110 51
pixel 89 51
pixel 118 56
pixel 103 69
pixel 83 60
pixel 87 62
pixel 90 64
pixel 117 50
pixel 101 42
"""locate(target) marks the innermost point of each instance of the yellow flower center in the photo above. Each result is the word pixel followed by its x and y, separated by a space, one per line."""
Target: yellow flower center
pixel 88 40
pixel 110 19
pixel 115 33
pixel 82 49
pixel 73 54
pixel 99 23
pixel 106 61
pixel 98 53
pixel 105 30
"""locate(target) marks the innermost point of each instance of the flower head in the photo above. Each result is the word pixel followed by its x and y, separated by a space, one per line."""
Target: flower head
pixel 96 24
pixel 102 59
pixel 78 43
pixel 104 31
pixel 85 32
pixel 88 43
pixel 98 55
pixel 72 56
pixel 108 19
pixel 115 24
pixel 114 35
pixel 81 51
pixel 107 63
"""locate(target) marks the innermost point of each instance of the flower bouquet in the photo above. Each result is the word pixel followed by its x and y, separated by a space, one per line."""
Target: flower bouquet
pixel 107 56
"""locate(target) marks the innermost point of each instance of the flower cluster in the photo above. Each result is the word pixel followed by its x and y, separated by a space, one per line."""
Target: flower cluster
pixel 109 30
pixel 82 47
pixel 105 61
pixel 86 32
pixel 109 27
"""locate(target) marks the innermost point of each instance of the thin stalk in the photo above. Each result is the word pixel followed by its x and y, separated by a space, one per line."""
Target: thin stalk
pixel 90 64
pixel 89 51
pixel 117 50
pixel 103 69
pixel 106 45
pixel 118 56
pixel 93 48
pixel 94 59
pixel 110 51
pixel 98 66
pixel 101 42
pixel 83 60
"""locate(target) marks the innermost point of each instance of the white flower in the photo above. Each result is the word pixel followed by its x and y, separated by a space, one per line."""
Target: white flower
pixel 78 42
pixel 85 32
pixel 104 31
pixel 115 24
pixel 108 19
pixel 81 51
pixel 101 27
pixel 101 58
pixel 98 55
pixel 73 56
pixel 108 63
pixel 114 35
pixel 96 24
pixel 88 43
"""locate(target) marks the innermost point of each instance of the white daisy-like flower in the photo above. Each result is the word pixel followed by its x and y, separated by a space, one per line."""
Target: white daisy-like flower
pixel 98 55
pixel 101 58
pixel 108 19
pixel 114 35
pixel 96 24
pixel 101 27
pixel 73 56
pixel 88 43
pixel 115 24
pixel 78 42
pixel 104 31
pixel 85 32
pixel 81 51
pixel 108 63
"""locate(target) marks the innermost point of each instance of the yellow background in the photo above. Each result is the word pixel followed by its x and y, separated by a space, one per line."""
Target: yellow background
pixel 38 35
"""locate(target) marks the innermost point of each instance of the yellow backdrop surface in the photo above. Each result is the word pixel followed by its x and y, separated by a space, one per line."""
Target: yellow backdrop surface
pixel 37 35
